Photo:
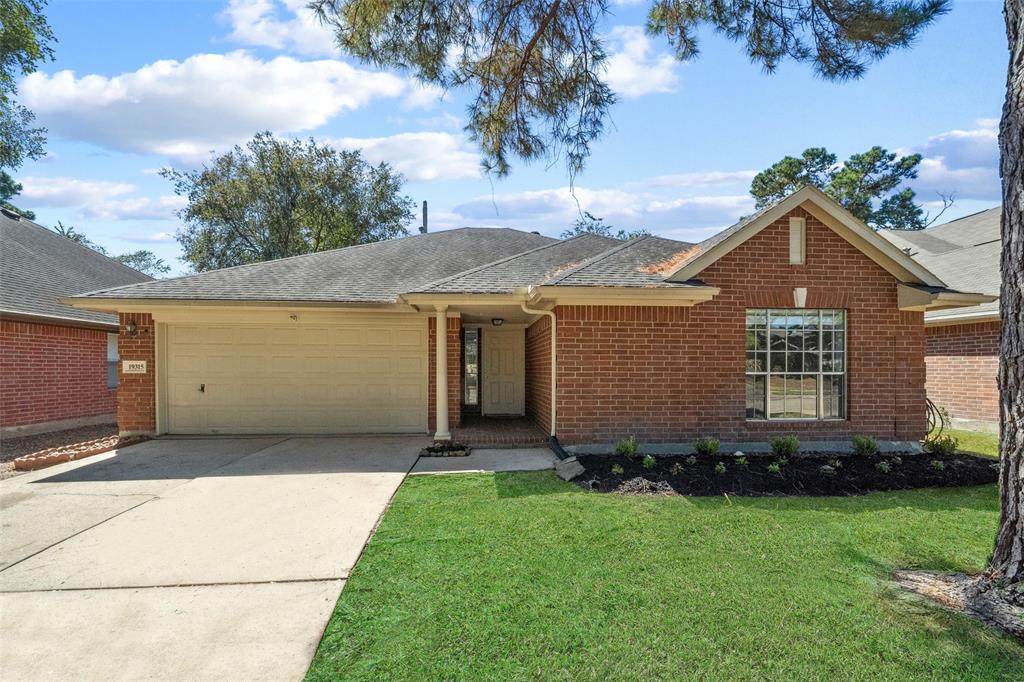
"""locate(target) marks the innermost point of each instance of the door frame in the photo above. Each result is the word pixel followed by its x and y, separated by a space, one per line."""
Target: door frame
pixel 488 332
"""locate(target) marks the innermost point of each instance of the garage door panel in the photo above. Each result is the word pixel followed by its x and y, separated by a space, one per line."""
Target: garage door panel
pixel 345 378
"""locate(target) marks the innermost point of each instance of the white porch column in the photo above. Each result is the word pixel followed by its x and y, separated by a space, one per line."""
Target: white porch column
pixel 441 380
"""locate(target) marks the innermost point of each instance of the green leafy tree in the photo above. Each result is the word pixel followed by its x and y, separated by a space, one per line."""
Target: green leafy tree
pixel 142 260
pixel 535 70
pixel 588 224
pixel 868 185
pixel 276 198
pixel 25 42
pixel 10 188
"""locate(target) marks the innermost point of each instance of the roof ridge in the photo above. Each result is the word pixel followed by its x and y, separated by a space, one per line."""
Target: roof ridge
pixel 302 255
pixel 50 232
pixel 506 259
pixel 595 259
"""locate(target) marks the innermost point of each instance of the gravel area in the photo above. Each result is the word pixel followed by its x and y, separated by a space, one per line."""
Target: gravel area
pixel 12 448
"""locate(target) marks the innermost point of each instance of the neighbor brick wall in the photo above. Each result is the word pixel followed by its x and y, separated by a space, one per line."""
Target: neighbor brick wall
pixel 454 374
pixel 963 366
pixel 538 373
pixel 136 396
pixel 50 372
pixel 670 374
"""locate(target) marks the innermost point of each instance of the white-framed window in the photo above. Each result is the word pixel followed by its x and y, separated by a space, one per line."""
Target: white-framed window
pixel 796 364
pixel 112 358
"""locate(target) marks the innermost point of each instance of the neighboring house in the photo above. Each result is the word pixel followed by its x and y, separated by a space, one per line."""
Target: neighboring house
pixel 963 343
pixel 57 363
pixel 799 319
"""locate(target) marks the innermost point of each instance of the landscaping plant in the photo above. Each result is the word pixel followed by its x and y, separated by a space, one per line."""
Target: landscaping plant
pixel 627 447
pixel 707 446
pixel 941 445
pixel 649 462
pixel 865 445
pixel 785 446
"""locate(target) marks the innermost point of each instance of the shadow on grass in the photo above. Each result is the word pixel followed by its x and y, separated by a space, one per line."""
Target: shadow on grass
pixel 531 483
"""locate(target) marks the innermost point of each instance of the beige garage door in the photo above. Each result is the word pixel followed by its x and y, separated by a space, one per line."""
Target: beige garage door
pixel 344 378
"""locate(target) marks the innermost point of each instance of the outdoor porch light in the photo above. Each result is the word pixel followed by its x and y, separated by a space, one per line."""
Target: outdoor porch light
pixel 497 321
pixel 131 328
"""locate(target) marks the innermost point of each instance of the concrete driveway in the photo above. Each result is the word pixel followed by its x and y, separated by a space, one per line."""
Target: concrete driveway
pixel 187 558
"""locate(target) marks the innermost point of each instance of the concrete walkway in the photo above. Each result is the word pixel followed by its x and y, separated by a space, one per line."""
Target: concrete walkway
pixel 488 460
pixel 187 559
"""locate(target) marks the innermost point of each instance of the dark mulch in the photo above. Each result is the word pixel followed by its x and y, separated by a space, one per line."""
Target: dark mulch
pixel 801 475
pixel 12 448
pixel 445 449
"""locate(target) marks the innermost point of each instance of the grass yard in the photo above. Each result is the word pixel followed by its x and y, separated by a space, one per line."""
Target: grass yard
pixel 976 442
pixel 522 576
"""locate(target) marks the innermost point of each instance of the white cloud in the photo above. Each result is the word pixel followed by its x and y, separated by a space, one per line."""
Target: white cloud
pixel 443 120
pixel 703 179
pixel 286 25
pixel 422 96
pixel 419 156
pixel 553 210
pixel 632 70
pixel 64 191
pixel 185 109
pixel 964 162
pixel 102 199
pixel 150 238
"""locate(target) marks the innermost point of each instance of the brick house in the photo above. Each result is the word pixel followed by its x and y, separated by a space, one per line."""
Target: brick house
pixel 962 344
pixel 796 319
pixel 56 362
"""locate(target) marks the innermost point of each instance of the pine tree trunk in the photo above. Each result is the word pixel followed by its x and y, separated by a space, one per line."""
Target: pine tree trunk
pixel 1008 557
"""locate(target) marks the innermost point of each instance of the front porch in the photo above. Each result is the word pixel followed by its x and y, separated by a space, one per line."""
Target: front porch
pixel 478 431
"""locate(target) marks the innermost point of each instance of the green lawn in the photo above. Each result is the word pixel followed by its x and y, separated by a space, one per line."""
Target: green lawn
pixel 976 442
pixel 522 576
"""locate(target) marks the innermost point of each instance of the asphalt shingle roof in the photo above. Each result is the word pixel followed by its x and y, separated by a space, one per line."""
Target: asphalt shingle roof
pixel 525 269
pixel 39 266
pixel 963 253
pixel 368 273
pixel 642 262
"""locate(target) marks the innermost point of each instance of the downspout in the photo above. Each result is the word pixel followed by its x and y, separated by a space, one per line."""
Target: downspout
pixel 552 439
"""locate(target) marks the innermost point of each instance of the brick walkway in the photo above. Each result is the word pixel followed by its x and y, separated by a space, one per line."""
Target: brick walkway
pixel 501 431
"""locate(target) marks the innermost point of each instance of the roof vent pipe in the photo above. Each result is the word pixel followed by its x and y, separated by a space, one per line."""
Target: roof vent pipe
pixel 423 227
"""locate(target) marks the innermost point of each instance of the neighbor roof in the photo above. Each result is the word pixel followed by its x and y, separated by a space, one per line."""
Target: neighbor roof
pixel 39 266
pixel 368 273
pixel 964 253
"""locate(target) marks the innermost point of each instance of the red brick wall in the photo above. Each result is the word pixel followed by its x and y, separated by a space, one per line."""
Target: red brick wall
pixel 136 397
pixel 538 373
pixel 454 374
pixel 49 373
pixel 669 374
pixel 963 366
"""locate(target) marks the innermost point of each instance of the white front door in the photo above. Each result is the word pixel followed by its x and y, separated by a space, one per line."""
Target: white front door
pixel 504 370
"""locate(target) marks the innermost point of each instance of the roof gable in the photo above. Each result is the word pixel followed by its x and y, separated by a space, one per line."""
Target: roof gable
pixel 821 206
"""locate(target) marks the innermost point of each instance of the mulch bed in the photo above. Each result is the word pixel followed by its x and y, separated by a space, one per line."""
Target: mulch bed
pixel 805 474
pixel 446 449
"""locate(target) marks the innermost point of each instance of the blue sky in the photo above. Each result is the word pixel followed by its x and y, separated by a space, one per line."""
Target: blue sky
pixel 137 86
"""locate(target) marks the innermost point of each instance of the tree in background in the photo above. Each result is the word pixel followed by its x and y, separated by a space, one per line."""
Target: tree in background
pixel 588 224
pixel 10 188
pixel 867 185
pixel 276 198
pixel 144 261
pixel 25 38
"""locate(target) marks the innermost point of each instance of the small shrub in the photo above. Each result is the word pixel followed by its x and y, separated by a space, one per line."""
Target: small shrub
pixel 865 445
pixel 782 461
pixel 720 468
pixel 742 461
pixel 941 445
pixel 627 447
pixel 938 465
pixel 774 468
pixel 785 446
pixel 649 462
pixel 676 469
pixel 707 446
pixel 883 466
pixel 617 470
pixel 691 460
